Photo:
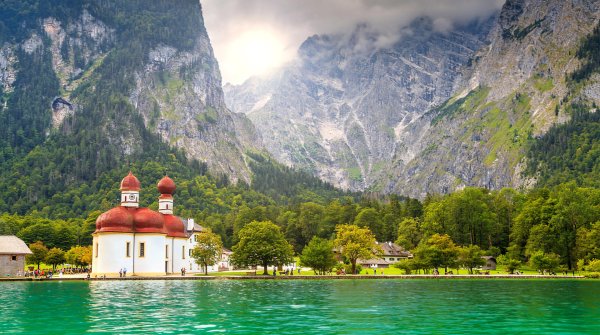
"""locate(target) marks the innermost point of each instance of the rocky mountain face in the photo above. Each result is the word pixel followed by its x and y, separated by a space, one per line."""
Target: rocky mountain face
pixel 512 94
pixel 172 82
pixel 434 112
pixel 346 108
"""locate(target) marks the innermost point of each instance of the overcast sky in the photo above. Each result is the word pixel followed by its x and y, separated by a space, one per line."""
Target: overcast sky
pixel 251 37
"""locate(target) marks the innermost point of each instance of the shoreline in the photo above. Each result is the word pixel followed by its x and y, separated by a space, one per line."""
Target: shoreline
pixel 264 277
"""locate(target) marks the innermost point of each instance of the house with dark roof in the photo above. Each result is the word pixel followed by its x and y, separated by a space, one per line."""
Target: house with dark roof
pixel 392 253
pixel 12 256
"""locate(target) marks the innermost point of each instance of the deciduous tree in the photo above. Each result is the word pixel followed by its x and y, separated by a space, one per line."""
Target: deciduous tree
pixel 354 242
pixel 470 257
pixel 55 257
pixel 318 255
pixel 262 243
pixel 208 250
pixel 39 252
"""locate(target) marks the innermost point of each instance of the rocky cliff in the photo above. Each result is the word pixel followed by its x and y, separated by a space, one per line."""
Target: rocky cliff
pixel 432 113
pixel 160 61
pixel 512 94
pixel 346 108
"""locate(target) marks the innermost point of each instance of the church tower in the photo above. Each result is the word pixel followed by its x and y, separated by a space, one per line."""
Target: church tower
pixel 166 187
pixel 130 191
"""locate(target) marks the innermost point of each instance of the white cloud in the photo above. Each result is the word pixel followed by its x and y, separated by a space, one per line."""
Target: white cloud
pixel 292 21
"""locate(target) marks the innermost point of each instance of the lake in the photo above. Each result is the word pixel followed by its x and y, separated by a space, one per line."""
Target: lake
pixel 382 307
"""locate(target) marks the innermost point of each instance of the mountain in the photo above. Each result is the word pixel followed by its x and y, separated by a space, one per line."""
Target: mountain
pixel 344 109
pixel 90 89
pixel 431 113
pixel 132 68
pixel 515 91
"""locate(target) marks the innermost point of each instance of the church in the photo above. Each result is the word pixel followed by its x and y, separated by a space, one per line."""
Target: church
pixel 140 240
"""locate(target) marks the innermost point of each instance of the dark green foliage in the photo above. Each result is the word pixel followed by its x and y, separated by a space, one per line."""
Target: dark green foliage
pixel 286 185
pixel 568 152
pixel 28 113
pixel 588 53
pixel 519 33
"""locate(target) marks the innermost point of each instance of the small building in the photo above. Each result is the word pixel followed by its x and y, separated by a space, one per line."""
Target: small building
pixel 392 253
pixel 490 263
pixel 12 256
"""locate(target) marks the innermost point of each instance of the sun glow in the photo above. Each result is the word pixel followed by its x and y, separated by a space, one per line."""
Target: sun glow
pixel 253 52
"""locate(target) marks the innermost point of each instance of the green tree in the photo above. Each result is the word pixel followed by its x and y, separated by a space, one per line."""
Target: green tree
pixel 55 257
pixel 470 257
pixel 544 262
pixel 354 242
pixel 310 221
pixel 39 252
pixel 510 264
pixel 409 233
pixel 437 251
pixel 318 255
pixel 369 218
pixel 208 250
pixel 405 264
pixel 541 238
pixel 588 242
pixel 261 243
pixel 79 256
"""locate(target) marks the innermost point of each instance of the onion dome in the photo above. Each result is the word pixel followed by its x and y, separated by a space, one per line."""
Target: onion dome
pixel 118 219
pixel 148 221
pixel 166 185
pixel 130 183
pixel 175 226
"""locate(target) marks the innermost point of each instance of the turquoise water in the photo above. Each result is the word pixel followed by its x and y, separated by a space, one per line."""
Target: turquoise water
pixel 302 307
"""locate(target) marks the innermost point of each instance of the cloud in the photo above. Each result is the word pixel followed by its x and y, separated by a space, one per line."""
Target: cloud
pixel 298 19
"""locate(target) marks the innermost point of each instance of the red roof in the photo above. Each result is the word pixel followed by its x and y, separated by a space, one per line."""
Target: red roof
pixel 174 225
pixel 166 185
pixel 148 221
pixel 118 219
pixel 130 183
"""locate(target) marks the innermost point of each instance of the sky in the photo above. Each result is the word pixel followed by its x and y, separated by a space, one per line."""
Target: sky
pixel 255 37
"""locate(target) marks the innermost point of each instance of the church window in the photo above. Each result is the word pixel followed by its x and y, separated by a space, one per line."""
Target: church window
pixel 183 252
pixel 167 251
pixel 96 249
pixel 190 252
pixel 142 249
pixel 128 249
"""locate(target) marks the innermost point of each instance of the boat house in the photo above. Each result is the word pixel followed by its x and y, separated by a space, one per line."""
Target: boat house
pixel 12 256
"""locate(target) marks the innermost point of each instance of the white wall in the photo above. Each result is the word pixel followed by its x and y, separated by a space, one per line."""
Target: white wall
pixel 154 258
pixel 109 253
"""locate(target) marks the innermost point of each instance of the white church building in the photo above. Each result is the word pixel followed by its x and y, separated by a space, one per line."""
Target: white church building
pixel 143 241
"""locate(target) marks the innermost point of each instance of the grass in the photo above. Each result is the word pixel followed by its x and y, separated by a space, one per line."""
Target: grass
pixel 354 173
pixel 543 84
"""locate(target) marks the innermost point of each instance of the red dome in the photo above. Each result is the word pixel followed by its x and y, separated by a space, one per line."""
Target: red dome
pixel 175 226
pixel 148 221
pixel 118 219
pixel 130 183
pixel 166 185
